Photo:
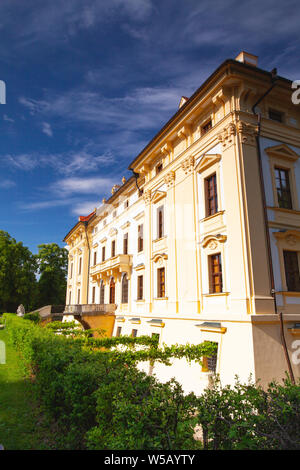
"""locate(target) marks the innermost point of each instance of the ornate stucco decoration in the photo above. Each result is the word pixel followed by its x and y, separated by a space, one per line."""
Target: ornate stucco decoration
pixel 292 237
pixel 188 164
pixel 226 137
pixel 115 188
pixel 113 231
pixel 212 241
pixel 147 196
pixel 247 132
pixel 170 179
pixel 166 150
pixel 159 257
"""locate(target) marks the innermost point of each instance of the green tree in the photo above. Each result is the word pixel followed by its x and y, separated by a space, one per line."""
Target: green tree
pixel 17 274
pixel 52 263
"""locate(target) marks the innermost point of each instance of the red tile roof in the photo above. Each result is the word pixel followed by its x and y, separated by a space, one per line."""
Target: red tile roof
pixel 86 218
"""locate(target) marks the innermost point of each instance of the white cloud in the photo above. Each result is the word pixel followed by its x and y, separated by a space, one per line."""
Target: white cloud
pixel 94 185
pixel 65 163
pixel 85 208
pixel 46 129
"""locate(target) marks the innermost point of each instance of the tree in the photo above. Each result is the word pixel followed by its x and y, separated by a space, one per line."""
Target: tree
pixel 17 274
pixel 52 263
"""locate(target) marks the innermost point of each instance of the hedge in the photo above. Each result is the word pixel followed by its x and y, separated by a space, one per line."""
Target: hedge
pixel 100 400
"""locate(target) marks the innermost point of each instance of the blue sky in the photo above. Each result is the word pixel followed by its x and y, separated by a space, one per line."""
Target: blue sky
pixel 89 82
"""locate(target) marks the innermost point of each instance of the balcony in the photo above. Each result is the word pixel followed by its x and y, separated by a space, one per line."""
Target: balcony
pixel 111 267
pixel 90 309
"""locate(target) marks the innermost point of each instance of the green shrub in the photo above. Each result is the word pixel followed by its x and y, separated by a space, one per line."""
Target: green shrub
pixel 34 317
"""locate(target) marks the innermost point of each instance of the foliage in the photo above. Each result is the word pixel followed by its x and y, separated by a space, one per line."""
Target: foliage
pixel 248 417
pixel 93 390
pixel 17 274
pixel 135 411
pixel 52 264
pixel 18 271
pixel 32 316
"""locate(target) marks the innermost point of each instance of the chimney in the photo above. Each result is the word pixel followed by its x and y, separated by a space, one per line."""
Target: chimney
pixel 247 58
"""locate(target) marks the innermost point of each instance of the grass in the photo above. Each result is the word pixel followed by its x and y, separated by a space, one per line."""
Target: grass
pixel 22 425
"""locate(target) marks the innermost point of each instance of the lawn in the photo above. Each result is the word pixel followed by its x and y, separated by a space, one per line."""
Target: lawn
pixel 22 426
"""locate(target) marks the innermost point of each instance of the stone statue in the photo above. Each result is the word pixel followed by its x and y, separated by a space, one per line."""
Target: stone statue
pixel 21 311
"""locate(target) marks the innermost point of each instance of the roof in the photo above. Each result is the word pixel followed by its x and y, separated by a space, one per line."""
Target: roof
pixel 86 218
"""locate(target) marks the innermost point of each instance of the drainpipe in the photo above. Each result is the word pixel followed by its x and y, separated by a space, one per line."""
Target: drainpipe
pixel 88 278
pixel 271 270
pixel 136 175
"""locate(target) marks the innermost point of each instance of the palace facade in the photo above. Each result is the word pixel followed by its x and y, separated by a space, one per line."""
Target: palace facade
pixel 202 242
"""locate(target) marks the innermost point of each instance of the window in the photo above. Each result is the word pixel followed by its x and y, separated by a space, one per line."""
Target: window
pixel 80 265
pixel 206 127
pixel 112 291
pixel 95 258
pixel 103 253
pixel 160 222
pixel 118 332
pixel 291 266
pixel 70 295
pixel 159 168
pixel 134 333
pixel 283 189
pixel 125 289
pixel 113 248
pixel 140 238
pixel 114 214
pixel 215 273
pixel 126 204
pixel 104 222
pixel 275 115
pixel 211 195
pixel 102 292
pixel 209 364
pixel 93 294
pixel 140 287
pixel 71 273
pixel 161 288
pixel 78 296
pixel 125 244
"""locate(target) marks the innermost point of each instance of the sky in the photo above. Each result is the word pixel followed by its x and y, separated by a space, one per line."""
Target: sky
pixel 90 82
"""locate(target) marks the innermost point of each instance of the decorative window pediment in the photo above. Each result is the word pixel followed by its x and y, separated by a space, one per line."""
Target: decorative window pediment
pixel 282 151
pixel 207 161
pixel 159 256
pixel 212 241
pixel 157 196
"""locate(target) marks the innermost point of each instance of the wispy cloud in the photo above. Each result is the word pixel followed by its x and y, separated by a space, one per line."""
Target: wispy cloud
pixel 7 184
pixel 65 163
pixel 7 118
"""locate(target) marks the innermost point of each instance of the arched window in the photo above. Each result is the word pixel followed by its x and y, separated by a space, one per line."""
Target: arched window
pixel 124 289
pixel 112 288
pixel 102 292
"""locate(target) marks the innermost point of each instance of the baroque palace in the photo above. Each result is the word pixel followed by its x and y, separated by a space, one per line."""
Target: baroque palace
pixel 202 242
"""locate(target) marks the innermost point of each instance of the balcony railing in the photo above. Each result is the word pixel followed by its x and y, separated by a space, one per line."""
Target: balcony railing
pixel 111 266
pixel 90 308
